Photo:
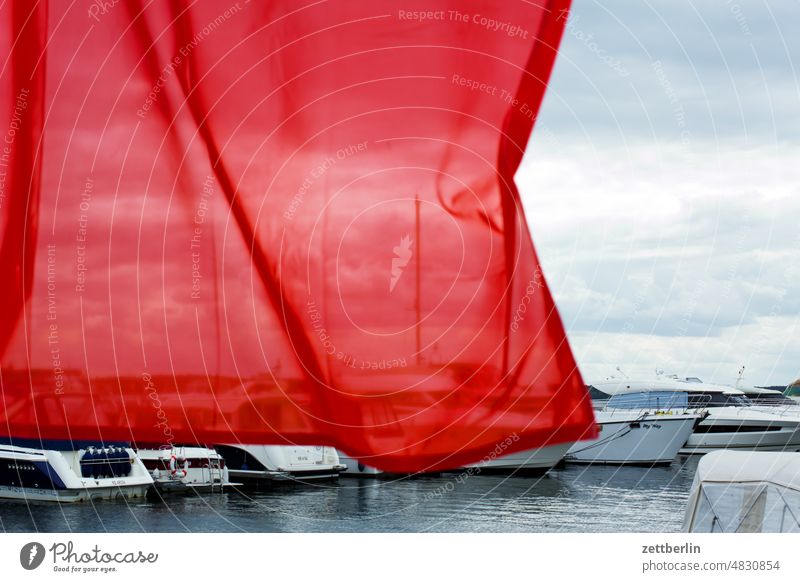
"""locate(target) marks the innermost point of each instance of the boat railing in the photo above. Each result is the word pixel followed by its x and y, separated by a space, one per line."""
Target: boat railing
pixel 216 476
pixel 779 409
pixel 675 411
pixel 698 405
pixel 776 402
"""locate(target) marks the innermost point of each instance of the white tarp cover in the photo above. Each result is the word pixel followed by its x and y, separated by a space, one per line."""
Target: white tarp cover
pixel 737 491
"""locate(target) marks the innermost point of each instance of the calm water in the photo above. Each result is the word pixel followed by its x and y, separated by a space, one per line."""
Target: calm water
pixel 575 499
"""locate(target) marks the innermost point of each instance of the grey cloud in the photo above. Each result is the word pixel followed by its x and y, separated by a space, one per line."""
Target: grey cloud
pixel 678 71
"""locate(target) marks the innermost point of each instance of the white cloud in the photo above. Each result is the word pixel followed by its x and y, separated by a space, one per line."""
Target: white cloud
pixel 663 257
pixel 663 192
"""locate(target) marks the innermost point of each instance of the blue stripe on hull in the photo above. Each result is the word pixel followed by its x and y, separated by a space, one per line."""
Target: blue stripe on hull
pixel 58 445
pixel 30 475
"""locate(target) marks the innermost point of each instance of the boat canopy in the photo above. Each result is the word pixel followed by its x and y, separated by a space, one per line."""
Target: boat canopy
pixel 741 491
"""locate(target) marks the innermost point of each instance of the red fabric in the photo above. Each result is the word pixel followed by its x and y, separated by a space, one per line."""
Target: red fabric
pixel 279 222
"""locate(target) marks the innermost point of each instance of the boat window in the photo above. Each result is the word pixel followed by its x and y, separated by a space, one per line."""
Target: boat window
pixel 792 391
pixel 731 429
pixel 659 400
pixel 737 400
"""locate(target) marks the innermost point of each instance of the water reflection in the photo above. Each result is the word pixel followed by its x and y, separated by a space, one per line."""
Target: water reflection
pixel 573 499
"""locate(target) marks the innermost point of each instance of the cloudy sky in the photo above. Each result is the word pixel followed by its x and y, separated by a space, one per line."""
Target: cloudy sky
pixel 662 186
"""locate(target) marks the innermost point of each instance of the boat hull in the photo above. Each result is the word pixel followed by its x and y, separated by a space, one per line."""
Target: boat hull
pixel 635 439
pixel 52 475
pixel 744 429
pixel 700 444
pixel 182 469
pixel 110 493
pixel 273 463
pixel 529 462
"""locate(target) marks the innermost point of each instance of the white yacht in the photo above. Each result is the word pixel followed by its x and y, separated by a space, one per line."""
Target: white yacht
pixel 636 430
pixel 67 472
pixel 254 463
pixel 732 422
pixel 181 469
pixel 745 492
pixel 529 462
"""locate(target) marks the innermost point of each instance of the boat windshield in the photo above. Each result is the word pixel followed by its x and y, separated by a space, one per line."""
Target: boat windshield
pixel 651 400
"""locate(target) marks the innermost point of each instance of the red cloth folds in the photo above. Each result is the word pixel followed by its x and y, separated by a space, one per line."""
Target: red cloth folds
pixel 279 223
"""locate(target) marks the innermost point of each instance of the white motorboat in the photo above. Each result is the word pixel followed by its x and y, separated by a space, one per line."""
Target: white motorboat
pixel 745 492
pixel 529 462
pixel 253 463
pixel 732 422
pixel 180 469
pixel 69 472
pixel 635 436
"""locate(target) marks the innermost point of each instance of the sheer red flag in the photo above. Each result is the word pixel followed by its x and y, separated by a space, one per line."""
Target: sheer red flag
pixel 269 222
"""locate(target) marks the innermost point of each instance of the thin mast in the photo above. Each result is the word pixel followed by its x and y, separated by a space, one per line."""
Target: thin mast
pixel 419 274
